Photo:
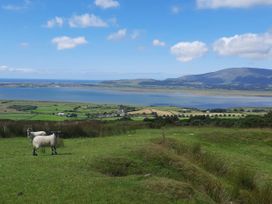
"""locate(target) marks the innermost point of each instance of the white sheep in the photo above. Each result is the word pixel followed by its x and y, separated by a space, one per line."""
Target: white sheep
pixel 45 141
pixel 31 134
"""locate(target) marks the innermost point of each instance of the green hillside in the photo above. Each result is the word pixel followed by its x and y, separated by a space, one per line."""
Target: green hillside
pixel 230 79
pixel 179 165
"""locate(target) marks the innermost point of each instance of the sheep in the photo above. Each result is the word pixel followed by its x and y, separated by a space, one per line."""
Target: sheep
pixel 31 134
pixel 45 141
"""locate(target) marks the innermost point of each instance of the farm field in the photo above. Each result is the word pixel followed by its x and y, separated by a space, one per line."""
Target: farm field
pixel 48 111
pixel 174 165
pixel 60 111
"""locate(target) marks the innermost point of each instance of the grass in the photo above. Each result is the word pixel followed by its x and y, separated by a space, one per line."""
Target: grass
pixel 204 165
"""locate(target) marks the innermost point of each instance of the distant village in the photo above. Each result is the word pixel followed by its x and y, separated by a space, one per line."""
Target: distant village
pixel 118 113
pixel 152 112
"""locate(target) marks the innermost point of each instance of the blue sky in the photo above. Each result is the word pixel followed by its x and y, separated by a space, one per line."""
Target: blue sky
pixel 113 39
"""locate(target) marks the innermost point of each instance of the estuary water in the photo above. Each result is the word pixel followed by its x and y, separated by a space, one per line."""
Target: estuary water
pixel 101 96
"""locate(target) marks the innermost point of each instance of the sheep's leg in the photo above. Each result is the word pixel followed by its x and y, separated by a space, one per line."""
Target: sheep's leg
pixel 52 150
pixel 34 152
pixel 55 149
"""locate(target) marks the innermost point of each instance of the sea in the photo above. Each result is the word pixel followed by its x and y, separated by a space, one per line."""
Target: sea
pixel 102 96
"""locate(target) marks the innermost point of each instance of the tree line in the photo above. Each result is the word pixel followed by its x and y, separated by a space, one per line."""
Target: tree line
pixel 250 121
pixel 68 129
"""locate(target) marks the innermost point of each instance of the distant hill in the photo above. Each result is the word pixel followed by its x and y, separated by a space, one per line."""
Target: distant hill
pixel 232 78
pixel 128 82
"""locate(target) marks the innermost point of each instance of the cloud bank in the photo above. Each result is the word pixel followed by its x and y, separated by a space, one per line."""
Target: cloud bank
pixel 5 68
pixel 86 20
pixel 17 7
pixel 249 45
pixel 214 4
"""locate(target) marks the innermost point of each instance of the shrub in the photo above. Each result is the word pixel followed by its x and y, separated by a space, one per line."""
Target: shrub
pixel 23 107
pixel 245 178
pixel 69 129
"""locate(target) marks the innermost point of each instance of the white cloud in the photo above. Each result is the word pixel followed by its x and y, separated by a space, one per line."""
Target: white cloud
pixel 136 34
pixel 248 45
pixel 158 43
pixel 24 44
pixel 5 68
pixel 23 70
pixel 119 35
pixel 65 42
pixel 187 51
pixel 17 7
pixel 86 20
pixel 213 4
pixel 105 4
pixel 55 22
pixel 176 9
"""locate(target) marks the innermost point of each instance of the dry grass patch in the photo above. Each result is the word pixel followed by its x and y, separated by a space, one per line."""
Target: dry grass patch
pixel 118 166
pixel 151 111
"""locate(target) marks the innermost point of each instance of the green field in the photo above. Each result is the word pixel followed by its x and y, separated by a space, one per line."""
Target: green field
pixel 48 111
pixel 177 165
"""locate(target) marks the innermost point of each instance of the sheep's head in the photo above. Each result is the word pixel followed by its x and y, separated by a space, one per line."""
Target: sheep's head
pixel 56 133
pixel 28 132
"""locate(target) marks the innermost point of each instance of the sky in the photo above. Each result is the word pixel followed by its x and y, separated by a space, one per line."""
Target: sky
pixel 125 39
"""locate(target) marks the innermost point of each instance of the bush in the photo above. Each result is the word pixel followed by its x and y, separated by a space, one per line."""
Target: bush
pixel 162 121
pixel 23 107
pixel 69 129
pixel 245 122
pixel 245 178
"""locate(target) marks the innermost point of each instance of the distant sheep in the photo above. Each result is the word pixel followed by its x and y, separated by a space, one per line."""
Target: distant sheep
pixel 31 134
pixel 45 141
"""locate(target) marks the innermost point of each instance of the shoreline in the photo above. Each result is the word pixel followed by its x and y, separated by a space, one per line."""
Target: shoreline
pixel 200 92
pixel 204 92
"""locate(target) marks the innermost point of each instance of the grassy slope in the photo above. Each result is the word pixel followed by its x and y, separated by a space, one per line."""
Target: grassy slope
pixel 77 174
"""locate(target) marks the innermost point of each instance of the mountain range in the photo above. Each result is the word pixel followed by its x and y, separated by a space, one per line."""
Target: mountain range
pixel 231 79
